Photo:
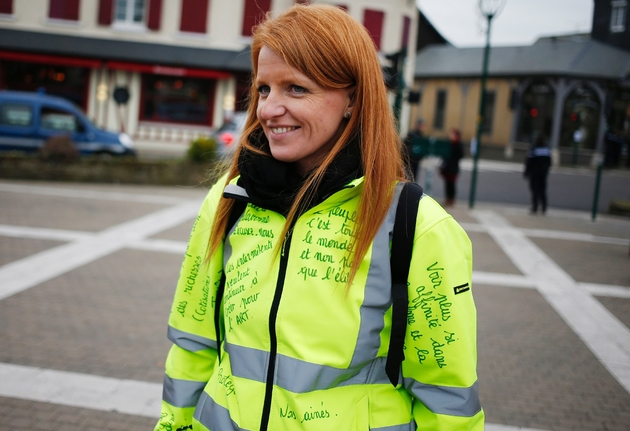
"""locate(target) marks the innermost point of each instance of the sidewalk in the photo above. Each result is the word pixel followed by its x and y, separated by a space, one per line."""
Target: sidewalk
pixel 87 274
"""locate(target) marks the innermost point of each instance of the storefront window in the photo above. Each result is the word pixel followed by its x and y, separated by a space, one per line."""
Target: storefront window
pixel 176 99
pixel 67 82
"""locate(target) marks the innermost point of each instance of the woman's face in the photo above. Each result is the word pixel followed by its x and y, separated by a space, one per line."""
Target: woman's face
pixel 301 120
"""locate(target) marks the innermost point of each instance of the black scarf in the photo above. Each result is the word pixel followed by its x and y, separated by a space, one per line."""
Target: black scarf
pixel 273 184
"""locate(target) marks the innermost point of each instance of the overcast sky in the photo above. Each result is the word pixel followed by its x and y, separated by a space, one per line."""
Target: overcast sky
pixel 520 22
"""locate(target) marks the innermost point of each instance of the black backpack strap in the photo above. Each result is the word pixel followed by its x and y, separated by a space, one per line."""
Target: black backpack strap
pixel 400 260
pixel 238 208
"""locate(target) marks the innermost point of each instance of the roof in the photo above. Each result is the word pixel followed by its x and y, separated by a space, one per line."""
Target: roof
pixel 578 56
pixel 427 33
pixel 110 49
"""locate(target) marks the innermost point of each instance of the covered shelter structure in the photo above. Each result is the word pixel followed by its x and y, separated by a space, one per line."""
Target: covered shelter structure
pixel 569 89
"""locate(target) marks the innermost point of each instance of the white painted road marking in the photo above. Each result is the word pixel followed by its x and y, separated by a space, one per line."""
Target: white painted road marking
pixel 68 192
pixel 81 390
pixel 18 276
pixel 98 393
pixel 601 332
pixel 179 247
pixel 606 337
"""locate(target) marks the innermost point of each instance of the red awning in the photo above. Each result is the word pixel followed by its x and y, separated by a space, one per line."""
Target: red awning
pixel 50 59
pixel 157 69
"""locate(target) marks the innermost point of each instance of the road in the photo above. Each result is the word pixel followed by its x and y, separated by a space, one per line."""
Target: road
pixel 87 274
pixel 503 182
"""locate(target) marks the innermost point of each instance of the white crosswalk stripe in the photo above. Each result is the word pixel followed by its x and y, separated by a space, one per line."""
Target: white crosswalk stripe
pixel 606 337
pixel 18 276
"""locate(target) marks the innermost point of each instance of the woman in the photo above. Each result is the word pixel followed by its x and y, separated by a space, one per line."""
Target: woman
pixel 305 316
pixel 450 167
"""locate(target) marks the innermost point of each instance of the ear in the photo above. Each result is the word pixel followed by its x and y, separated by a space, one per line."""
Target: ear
pixel 351 99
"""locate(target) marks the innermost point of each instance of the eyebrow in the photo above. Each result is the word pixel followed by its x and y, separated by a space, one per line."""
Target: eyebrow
pixel 293 79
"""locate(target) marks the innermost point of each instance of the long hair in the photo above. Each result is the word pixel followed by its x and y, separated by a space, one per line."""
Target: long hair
pixel 336 52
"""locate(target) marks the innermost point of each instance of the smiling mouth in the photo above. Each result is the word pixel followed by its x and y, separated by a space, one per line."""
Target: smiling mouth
pixel 280 130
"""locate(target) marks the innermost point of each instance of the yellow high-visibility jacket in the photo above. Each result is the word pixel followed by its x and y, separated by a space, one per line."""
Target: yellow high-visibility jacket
pixel 299 351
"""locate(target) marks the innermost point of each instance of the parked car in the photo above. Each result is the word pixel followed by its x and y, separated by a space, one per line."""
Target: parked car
pixel 28 120
pixel 229 133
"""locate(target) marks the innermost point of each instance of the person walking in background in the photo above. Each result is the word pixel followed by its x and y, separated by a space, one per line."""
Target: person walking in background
pixel 283 317
pixel 614 143
pixel 414 148
pixel 449 169
pixel 536 170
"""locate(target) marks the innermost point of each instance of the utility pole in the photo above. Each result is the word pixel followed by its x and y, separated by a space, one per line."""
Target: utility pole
pixel 395 80
pixel 489 8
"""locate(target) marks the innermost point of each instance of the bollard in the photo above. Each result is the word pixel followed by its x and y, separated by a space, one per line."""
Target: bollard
pixel 598 178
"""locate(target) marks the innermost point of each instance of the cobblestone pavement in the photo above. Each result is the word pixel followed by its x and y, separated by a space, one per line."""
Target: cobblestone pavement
pixel 87 273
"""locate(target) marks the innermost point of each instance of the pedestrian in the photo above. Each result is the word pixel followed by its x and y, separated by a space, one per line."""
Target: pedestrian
pixel 297 338
pixel 449 169
pixel 413 147
pixel 536 170
pixel 613 148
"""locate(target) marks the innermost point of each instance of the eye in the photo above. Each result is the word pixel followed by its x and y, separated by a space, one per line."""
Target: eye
pixel 297 89
pixel 263 90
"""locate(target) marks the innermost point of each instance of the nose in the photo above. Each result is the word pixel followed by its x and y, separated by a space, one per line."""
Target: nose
pixel 271 106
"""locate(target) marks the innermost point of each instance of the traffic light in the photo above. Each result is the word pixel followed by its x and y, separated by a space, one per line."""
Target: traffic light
pixel 392 73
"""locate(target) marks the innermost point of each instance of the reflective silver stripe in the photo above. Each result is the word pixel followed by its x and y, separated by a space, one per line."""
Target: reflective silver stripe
pixel 447 400
pixel 232 190
pixel 181 393
pixel 299 376
pixel 411 426
pixel 188 341
pixel 248 363
pixel 377 296
pixel 213 416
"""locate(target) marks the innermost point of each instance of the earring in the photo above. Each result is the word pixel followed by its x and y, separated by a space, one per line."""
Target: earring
pixel 348 114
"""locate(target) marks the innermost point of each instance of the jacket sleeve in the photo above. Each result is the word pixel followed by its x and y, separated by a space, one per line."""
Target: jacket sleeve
pixel 439 368
pixel 191 359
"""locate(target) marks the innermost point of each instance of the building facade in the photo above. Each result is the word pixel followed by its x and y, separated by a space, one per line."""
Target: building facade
pixel 572 90
pixel 160 70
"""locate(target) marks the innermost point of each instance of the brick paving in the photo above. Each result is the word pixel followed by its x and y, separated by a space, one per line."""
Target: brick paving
pixel 107 317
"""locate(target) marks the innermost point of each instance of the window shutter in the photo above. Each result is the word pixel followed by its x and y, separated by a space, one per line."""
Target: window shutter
pixel 6 7
pixel 405 34
pixel 64 9
pixel 255 11
pixel 194 16
pixel 373 22
pixel 105 12
pixel 155 14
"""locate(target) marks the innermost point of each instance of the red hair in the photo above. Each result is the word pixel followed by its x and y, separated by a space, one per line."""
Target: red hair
pixel 335 51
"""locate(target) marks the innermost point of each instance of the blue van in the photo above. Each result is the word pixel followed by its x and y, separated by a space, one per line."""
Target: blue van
pixel 28 120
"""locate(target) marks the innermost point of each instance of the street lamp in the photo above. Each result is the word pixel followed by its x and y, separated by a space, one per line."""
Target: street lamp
pixel 489 9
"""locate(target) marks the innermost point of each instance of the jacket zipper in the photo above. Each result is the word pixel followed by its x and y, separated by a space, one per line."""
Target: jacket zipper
pixel 273 314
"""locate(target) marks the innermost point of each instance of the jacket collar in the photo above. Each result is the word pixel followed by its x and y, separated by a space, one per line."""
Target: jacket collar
pixel 272 184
